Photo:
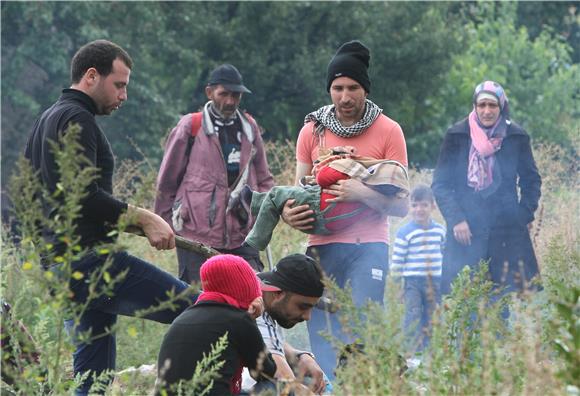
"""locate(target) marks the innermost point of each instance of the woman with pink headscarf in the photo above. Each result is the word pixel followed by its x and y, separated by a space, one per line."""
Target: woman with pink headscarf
pixel 487 187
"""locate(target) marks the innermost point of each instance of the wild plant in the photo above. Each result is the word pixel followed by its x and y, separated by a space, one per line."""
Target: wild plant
pixel 473 350
pixel 205 372
pixel 38 279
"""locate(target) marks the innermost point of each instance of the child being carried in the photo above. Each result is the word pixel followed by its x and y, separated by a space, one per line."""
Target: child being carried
pixel 339 163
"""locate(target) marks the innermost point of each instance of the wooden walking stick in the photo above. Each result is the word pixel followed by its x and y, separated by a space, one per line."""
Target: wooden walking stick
pixel 181 242
pixel 324 303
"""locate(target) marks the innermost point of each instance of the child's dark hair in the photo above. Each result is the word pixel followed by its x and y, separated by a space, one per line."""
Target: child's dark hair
pixel 422 192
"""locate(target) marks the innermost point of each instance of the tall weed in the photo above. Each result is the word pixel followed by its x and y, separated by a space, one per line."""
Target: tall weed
pixel 471 351
pixel 40 298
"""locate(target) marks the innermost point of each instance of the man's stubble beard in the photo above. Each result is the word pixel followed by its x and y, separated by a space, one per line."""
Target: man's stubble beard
pixel 279 317
pixel 219 113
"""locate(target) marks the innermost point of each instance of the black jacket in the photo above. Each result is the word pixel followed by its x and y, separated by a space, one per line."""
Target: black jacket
pixel 99 209
pixel 497 222
pixel 457 201
pixel 194 332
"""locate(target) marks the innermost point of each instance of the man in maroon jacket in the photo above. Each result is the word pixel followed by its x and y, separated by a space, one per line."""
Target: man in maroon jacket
pixel 209 156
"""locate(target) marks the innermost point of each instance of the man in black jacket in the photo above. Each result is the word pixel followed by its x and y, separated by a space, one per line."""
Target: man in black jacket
pixel 100 73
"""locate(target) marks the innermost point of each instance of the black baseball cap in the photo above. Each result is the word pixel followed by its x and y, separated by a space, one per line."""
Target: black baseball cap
pixel 296 273
pixel 228 76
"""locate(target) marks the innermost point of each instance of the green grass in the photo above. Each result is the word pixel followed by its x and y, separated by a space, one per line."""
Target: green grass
pixel 536 354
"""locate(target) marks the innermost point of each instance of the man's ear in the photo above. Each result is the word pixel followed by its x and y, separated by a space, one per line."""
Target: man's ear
pixel 91 76
pixel 208 91
pixel 279 295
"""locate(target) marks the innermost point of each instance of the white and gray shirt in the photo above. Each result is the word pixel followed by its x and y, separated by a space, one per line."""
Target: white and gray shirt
pixel 271 333
pixel 274 340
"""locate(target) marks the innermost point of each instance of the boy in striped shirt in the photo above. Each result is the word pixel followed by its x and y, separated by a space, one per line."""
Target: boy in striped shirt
pixel 417 258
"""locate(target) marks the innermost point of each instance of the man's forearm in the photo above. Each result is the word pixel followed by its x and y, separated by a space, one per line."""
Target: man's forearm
pixel 390 205
pixel 283 369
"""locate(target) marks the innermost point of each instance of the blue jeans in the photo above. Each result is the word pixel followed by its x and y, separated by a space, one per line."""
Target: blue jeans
pixel 143 286
pixel 365 267
pixel 421 295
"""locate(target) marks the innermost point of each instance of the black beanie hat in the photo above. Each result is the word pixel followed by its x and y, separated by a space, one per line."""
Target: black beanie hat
pixel 351 60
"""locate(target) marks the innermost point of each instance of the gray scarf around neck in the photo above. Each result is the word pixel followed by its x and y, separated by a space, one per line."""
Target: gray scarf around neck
pixel 325 117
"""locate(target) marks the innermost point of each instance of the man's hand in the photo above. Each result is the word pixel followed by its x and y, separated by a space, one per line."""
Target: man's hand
pixel 347 190
pixel 299 217
pixel 462 233
pixel 354 190
pixel 157 231
pixel 256 307
pixel 292 387
pixel 307 366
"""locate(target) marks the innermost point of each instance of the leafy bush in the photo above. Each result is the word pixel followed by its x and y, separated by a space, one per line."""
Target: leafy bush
pixel 41 298
pixel 471 350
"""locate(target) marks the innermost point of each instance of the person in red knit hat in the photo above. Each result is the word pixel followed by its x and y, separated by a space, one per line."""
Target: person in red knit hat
pixel 230 301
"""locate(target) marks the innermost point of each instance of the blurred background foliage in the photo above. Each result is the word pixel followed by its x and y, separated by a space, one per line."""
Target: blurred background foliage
pixel 426 58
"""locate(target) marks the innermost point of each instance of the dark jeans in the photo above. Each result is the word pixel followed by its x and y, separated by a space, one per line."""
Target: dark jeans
pixel 190 262
pixel 364 266
pixel 143 286
pixel 421 295
pixel 456 256
pixel 512 261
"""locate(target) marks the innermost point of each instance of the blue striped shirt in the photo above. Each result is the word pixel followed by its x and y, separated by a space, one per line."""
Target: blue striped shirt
pixel 418 250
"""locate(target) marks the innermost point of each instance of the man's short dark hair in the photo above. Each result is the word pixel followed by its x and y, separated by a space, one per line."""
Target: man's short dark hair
pixel 99 54
pixel 422 192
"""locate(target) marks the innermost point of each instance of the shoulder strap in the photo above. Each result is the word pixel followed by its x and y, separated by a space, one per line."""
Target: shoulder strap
pixel 195 123
pixel 195 126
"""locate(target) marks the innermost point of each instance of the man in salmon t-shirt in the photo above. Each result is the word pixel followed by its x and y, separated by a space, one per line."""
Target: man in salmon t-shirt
pixel 357 255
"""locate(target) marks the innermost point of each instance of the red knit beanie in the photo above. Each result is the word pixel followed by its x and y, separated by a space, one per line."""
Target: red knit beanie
pixel 230 279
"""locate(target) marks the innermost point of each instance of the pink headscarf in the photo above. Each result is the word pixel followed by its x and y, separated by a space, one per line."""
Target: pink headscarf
pixel 485 142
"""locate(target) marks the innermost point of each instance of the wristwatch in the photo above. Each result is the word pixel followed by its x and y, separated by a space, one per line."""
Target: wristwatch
pixel 298 354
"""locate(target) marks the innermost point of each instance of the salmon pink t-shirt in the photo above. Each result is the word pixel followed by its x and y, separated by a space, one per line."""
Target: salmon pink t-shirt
pixel 382 140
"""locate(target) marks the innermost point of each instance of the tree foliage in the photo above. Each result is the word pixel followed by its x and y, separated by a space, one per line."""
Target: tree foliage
pixel 426 57
pixel 538 75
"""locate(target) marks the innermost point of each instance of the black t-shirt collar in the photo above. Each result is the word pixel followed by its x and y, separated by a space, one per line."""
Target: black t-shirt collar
pixel 86 100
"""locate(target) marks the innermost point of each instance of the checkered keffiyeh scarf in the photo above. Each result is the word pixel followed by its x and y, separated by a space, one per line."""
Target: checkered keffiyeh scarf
pixel 325 117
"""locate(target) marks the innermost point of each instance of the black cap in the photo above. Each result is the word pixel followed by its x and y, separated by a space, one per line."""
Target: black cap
pixel 228 76
pixel 351 60
pixel 296 273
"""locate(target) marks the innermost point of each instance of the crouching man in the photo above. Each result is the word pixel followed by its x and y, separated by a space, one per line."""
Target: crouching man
pixel 290 291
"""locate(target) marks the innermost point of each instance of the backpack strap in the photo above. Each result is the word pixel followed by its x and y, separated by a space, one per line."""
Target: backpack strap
pixel 195 123
pixel 195 126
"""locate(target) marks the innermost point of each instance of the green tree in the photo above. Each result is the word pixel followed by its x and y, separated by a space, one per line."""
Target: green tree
pixel 540 80
pixel 425 59
pixel 560 16
pixel 282 49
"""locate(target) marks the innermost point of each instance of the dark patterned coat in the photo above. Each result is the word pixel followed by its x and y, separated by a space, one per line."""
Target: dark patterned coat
pixel 498 222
